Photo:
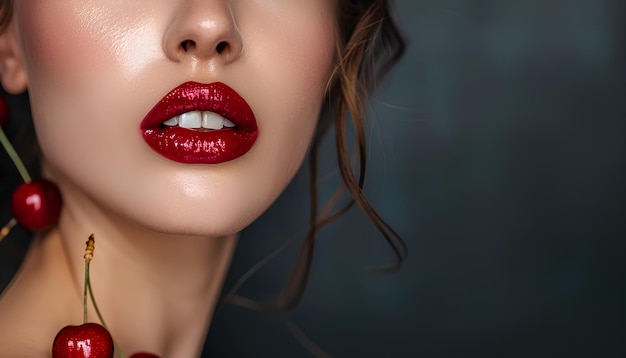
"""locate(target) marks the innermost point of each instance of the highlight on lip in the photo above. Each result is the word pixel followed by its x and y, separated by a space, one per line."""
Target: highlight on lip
pixel 200 123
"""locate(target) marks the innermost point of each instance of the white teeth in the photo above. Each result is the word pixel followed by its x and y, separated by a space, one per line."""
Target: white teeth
pixel 190 120
pixel 171 122
pixel 200 119
pixel 212 120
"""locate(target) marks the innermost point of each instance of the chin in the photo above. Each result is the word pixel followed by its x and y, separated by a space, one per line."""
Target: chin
pixel 196 220
pixel 191 228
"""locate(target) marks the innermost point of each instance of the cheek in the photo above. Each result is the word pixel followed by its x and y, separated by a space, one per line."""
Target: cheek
pixel 53 52
pixel 52 48
pixel 293 58
pixel 96 36
pixel 295 48
pixel 59 60
pixel 76 61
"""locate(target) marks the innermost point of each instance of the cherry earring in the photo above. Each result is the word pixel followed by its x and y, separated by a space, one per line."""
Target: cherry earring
pixel 35 204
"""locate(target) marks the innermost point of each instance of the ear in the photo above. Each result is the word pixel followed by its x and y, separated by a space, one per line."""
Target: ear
pixel 12 71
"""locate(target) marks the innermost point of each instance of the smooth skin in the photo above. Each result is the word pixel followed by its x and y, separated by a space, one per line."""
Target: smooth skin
pixel 165 231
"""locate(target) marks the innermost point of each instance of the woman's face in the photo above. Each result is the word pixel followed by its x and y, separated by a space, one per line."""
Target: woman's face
pixel 96 68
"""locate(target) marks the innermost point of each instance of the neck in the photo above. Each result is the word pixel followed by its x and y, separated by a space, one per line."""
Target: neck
pixel 156 291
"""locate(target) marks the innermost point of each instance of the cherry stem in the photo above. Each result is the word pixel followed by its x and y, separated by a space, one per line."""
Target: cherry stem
pixel 95 306
pixel 8 147
pixel 88 290
pixel 85 286
pixel 7 228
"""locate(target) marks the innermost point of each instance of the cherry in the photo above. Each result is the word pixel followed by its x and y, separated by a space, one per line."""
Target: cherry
pixel 36 204
pixel 89 340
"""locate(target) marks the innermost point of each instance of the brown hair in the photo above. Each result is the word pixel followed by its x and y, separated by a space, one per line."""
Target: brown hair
pixel 368 43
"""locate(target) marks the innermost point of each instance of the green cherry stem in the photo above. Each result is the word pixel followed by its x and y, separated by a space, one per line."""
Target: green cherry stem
pixel 85 292
pixel 89 291
pixel 8 147
pixel 95 306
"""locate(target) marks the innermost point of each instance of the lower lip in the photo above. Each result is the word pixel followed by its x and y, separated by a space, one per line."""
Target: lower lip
pixel 199 147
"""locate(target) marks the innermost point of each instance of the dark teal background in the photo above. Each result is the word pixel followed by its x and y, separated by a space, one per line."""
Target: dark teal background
pixel 498 154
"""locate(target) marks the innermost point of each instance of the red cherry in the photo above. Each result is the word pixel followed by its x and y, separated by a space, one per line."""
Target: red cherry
pixel 89 340
pixel 4 112
pixel 144 355
pixel 36 204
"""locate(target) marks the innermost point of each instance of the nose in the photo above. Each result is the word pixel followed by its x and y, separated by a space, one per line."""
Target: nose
pixel 203 30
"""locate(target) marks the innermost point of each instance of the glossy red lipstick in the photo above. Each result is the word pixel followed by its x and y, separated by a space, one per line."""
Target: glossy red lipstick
pixel 185 145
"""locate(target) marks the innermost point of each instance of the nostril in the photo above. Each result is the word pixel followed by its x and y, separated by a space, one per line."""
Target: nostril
pixel 188 45
pixel 221 47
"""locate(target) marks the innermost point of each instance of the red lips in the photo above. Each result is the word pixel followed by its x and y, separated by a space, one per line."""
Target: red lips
pixel 201 146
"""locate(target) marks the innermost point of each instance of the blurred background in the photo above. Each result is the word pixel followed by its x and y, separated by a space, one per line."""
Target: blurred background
pixel 497 152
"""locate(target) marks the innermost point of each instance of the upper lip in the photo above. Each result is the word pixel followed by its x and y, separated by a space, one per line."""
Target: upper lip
pixel 215 97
